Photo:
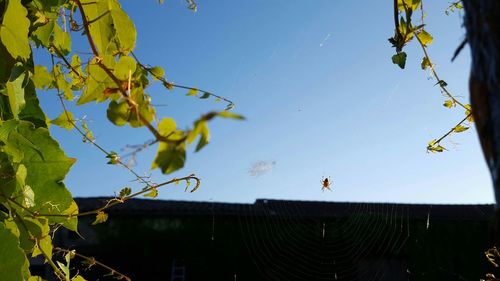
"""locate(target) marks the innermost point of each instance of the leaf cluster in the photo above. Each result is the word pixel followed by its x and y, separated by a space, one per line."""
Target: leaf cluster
pixel 34 200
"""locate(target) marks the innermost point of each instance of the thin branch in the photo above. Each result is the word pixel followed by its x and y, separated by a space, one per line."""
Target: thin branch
pixel 433 69
pixel 438 141
pixel 169 85
pixel 92 261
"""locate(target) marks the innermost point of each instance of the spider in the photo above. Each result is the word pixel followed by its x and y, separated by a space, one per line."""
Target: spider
pixel 326 182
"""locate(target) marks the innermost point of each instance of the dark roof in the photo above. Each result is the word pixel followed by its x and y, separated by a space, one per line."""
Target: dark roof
pixel 287 208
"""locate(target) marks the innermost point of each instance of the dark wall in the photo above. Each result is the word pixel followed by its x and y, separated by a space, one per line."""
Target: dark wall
pixel 291 246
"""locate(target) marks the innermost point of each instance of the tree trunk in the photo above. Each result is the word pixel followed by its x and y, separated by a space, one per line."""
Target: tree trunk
pixel 482 22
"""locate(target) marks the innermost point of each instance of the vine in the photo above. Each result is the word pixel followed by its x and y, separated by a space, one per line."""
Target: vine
pixel 405 32
pixel 34 200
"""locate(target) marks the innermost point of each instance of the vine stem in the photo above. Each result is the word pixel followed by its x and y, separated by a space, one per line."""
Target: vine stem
pixel 114 201
pixel 117 81
pixel 60 275
pixel 93 261
pixel 452 129
pixel 167 84
pixel 434 72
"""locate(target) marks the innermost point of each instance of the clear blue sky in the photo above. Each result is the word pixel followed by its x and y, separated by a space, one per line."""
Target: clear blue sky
pixel 315 81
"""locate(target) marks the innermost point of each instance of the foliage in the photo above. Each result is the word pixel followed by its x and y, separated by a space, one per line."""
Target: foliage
pixel 405 32
pixel 34 200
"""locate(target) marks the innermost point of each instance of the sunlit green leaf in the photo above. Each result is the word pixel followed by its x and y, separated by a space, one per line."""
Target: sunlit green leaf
pixel 425 37
pixel 42 34
pixel 126 191
pixel 230 115
pixel 14 30
pixel 28 196
pixel 64 120
pixel 43 245
pixel 41 77
pixel 425 63
pixel 46 163
pixel 15 92
pixel 113 158
pixel 125 67
pixel 157 72
pixel 153 193
pixel 449 103
pixel 166 126
pixel 98 80
pixel 100 218
pixel 169 157
pixel 192 92
pixel 62 40
pixel 71 222
pixel 460 128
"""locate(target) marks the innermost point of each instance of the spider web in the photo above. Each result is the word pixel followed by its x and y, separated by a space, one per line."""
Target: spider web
pixel 343 241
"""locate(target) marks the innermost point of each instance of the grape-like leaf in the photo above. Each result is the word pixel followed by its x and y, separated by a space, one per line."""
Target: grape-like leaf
pixel 12 258
pixel 399 59
pixel 14 30
pixel 64 120
pixel 153 193
pixel 100 218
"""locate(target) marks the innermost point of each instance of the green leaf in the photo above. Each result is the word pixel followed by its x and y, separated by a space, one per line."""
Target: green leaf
pixel 32 111
pixel 76 74
pixel 124 67
pixel 14 30
pixel 113 158
pixel 201 129
pixel 399 59
pixel 15 92
pixel 118 112
pixel 71 223
pixel 125 29
pixel 460 128
pixel 46 163
pixel 166 126
pixel 449 104
pixel 169 157
pixel 62 40
pixel 12 258
pixel 28 196
pixel 114 31
pixel 30 230
pixel 42 34
pixel 64 268
pixel 192 92
pixel 442 83
pixel 126 191
pixel 98 81
pixel 230 115
pixel 157 72
pixel 153 193
pixel 425 63
pixel 424 37
pixel 100 218
pixel 78 278
pixel 41 77
pixel 433 147
pixel 44 244
pixel 61 83
pixel 205 96
pixel 64 120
